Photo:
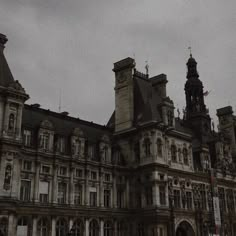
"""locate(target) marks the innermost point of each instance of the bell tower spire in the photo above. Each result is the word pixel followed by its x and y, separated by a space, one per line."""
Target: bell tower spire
pixel 194 90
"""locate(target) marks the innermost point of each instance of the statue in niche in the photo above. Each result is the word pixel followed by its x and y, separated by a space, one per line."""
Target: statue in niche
pixel 11 123
pixel 7 179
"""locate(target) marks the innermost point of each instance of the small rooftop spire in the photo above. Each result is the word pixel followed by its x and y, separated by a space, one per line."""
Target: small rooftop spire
pixel 147 68
pixel 3 40
pixel 190 51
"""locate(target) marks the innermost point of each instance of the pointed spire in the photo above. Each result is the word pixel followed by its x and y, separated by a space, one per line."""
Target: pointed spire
pixel 6 77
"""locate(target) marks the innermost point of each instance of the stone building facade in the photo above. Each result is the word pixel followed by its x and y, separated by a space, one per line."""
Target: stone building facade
pixel 146 173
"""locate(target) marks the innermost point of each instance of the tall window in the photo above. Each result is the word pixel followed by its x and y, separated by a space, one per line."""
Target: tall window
pixel 23 226
pixel 61 144
pixel 43 227
pixel 222 198
pixel 27 165
pixel 44 140
pixel 3 226
pixel 189 200
pixel 93 199
pixel 203 198
pixel 43 191
pixel 78 194
pixel 93 228
pixel 76 147
pixel 159 147
pixel 230 200
pixel 147 147
pixel 120 198
pixel 78 228
pixel 162 191
pixel 61 227
pixel 173 153
pixel 25 190
pixel 107 197
pixel 185 156
pixel 177 198
pixel 61 197
pixel 121 228
pixel 140 230
pixel 105 154
pixel 108 229
pixel 27 138
pixel 148 195
pixel 7 178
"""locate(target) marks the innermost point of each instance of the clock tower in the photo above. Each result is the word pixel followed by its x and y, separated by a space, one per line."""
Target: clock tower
pixel 124 94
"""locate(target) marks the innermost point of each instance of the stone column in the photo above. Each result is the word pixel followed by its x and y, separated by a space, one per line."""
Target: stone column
pixel 54 185
pixel 101 227
pixel 71 186
pixel 86 190
pixel 12 225
pixel 34 233
pixel 114 192
pixel 36 181
pixel 101 190
pixel 127 193
pixel 19 120
pixel 155 194
pixel 115 228
pixel 53 227
pixel 86 227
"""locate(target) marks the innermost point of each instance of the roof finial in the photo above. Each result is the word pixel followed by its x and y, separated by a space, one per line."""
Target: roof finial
pixel 190 51
pixel 147 68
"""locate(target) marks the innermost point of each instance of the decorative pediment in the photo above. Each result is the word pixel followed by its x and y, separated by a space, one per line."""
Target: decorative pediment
pixel 46 124
pixel 78 132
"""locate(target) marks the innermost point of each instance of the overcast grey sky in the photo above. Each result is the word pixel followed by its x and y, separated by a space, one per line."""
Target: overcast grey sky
pixel 71 46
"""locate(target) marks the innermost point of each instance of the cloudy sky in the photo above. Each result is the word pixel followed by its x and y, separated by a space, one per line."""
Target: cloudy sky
pixel 70 46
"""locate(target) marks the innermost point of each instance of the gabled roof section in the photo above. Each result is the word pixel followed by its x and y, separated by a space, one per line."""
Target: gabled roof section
pixel 63 125
pixel 6 77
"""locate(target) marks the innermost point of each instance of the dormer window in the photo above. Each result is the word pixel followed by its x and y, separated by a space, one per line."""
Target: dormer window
pixel 76 146
pixel 44 140
pixel 27 137
pixel 105 153
pixel 147 147
pixel 61 144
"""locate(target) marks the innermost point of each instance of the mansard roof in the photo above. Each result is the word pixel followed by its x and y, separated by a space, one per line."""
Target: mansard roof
pixel 63 125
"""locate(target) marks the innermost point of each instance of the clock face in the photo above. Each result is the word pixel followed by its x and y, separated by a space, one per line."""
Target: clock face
pixel 121 77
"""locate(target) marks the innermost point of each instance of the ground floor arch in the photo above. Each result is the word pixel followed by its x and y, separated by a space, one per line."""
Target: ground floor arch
pixel 185 229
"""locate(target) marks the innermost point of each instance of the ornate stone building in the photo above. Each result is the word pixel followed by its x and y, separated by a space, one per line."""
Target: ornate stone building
pixel 146 173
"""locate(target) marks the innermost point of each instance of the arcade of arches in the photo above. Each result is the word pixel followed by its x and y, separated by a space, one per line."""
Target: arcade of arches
pixel 184 229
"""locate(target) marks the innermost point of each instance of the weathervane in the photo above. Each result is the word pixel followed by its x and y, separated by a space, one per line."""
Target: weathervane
pixel 190 50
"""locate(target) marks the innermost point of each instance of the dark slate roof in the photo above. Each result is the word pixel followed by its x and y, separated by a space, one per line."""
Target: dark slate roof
pixel 63 125
pixel 6 77
pixel 179 126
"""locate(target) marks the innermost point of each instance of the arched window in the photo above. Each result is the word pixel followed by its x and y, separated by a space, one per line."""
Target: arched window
pixel 61 227
pixel 121 228
pixel 147 147
pixel 173 153
pixel 43 227
pixel 105 154
pixel 93 228
pixel 3 227
pixel 159 147
pixel 78 228
pixel 108 229
pixel 11 123
pixel 185 156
